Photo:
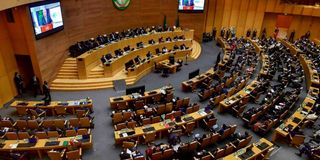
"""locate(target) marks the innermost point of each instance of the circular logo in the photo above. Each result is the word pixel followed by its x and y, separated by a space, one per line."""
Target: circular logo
pixel 121 4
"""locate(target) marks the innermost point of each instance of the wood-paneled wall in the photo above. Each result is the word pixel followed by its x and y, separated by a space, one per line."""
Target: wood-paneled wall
pixel 84 19
pixel 8 65
pixel 299 24
pixel 250 14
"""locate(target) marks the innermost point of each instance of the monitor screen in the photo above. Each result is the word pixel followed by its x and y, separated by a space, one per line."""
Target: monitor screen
pixel 191 5
pixel 194 73
pixel 46 18
pixel 138 89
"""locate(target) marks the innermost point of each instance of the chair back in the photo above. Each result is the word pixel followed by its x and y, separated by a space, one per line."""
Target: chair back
pixel 59 123
pixel 146 121
pixel 186 101
pixel 60 110
pixel 168 153
pixel 70 133
pixel 116 118
pixel 85 122
pixel 155 119
pixel 82 131
pixel 220 153
pixel 150 136
pixel 33 124
pixel 21 124
pixel 47 123
pixel 120 126
pixel 54 155
pixel 11 136
pixel 74 155
pixel 21 111
pixel 23 135
pixel 138 104
pixel 41 135
pixel 169 107
pixel 53 134
pixel 156 155
pixel 74 122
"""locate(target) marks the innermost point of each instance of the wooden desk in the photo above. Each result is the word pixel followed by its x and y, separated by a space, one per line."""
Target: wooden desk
pixel 257 152
pixel 166 64
pixel 70 105
pixel 282 131
pixel 114 101
pixel 159 127
pixel 119 64
pixel 223 43
pixel 317 41
pixel 87 61
pixel 312 76
pixel 234 99
pixel 257 47
pixel 226 58
pixel 194 82
pixel 39 147
pixel 146 67
pixel 293 49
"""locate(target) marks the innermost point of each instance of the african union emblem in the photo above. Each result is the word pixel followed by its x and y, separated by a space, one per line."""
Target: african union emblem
pixel 121 4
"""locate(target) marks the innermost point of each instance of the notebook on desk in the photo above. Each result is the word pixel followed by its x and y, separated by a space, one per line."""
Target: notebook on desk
pixel 63 104
pixel 23 103
pixel 296 120
pixel 21 145
pixel 152 92
pixel 247 154
pixel 118 99
pixel 188 119
pixel 52 143
pixel 148 129
pixel 262 146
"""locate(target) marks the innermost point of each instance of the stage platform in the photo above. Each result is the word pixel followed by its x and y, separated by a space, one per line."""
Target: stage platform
pixel 67 77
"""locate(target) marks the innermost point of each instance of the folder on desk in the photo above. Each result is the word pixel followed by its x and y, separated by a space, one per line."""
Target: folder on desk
pixel 52 143
pixel 188 119
pixel 148 129
pixel 118 99
pixel 262 146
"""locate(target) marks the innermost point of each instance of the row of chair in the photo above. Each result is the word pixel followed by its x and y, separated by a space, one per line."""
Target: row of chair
pixel 84 122
pixel 156 119
pixel 46 135
pixel 144 100
pixel 228 149
pixel 58 110
pixel 160 109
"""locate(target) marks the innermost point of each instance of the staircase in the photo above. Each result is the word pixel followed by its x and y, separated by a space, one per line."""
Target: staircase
pixel 68 70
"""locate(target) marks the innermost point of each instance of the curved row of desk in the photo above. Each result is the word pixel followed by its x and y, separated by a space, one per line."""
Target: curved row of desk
pixel 87 61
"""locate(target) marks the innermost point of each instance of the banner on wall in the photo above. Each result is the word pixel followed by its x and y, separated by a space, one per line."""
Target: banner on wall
pixel 121 4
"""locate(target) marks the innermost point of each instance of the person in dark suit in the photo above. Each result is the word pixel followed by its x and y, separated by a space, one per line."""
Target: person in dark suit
pixel 18 82
pixel 217 60
pixel 214 32
pixel 35 85
pixel 292 36
pixel 46 91
pixel 45 18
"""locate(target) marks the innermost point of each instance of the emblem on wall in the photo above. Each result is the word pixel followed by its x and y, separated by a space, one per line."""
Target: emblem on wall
pixel 121 4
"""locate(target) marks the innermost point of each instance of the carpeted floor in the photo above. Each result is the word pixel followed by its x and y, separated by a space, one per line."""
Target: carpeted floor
pixel 103 134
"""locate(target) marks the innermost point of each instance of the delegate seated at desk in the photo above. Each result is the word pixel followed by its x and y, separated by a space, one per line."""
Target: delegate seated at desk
pixel 137 60
pixel 118 52
pixel 168 39
pixel 149 55
pixel 175 47
pixel 140 45
pixel 164 50
pixel 161 40
pixel 106 58
pixel 183 47
pixel 152 42
pixel 127 49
